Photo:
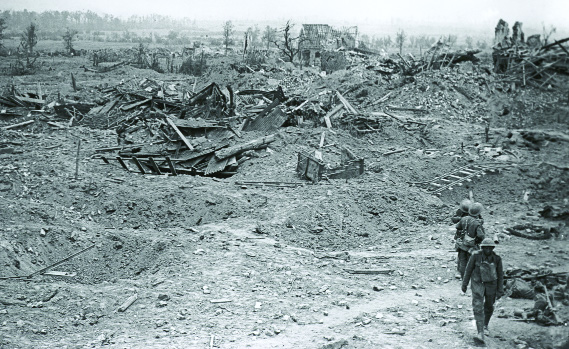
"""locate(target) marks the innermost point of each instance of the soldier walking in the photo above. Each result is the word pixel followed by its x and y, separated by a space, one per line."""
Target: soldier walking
pixel 469 234
pixel 485 270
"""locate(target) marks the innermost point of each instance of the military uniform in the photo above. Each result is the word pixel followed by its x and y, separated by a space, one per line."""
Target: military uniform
pixel 487 275
pixel 469 233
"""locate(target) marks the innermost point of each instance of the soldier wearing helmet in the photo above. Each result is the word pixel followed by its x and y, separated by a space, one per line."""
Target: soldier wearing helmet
pixel 469 234
pixel 485 270
pixel 462 211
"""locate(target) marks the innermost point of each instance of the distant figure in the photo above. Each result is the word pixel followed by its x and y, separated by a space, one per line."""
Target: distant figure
pixel 469 234
pixel 485 270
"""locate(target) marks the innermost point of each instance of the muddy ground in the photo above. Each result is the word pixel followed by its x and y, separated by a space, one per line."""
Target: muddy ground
pixel 216 264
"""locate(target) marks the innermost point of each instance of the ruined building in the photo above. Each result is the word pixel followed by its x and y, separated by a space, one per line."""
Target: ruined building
pixel 316 39
pixel 501 33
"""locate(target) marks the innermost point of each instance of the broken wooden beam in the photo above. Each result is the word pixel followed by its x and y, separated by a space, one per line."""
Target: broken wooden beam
pixel 346 104
pixel 128 303
pixel 180 134
pixel 30 100
pixel 395 151
pixel 18 125
pixel 382 99
pixel 236 149
pixel 134 105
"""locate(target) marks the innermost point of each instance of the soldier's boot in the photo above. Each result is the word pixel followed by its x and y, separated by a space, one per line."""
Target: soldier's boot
pixel 486 322
pixel 480 329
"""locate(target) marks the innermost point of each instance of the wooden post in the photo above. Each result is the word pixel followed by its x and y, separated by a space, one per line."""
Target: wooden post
pixel 73 83
pixel 77 159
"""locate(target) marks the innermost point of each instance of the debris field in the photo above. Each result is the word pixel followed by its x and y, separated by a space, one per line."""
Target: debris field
pixel 282 206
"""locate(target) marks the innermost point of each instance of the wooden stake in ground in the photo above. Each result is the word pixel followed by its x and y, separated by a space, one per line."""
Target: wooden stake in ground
pixel 73 83
pixel 77 160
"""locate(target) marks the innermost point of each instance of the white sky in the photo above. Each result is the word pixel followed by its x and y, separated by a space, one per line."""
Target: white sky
pixel 472 13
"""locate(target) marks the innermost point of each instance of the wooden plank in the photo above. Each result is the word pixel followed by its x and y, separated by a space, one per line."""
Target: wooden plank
pixel 216 301
pixel 16 101
pixel 134 105
pixel 120 160
pixel 138 164
pixel 95 110
pixel 59 273
pixel 128 303
pixel 180 134
pixel 346 104
pixel 18 125
pixel 322 137
pixel 171 166
pixel 30 100
pixel 107 107
pixel 154 165
pixel 327 121
pixel 395 151
pixel 7 102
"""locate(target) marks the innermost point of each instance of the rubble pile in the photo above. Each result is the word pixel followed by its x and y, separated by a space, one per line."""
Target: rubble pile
pixel 529 61
pixel 162 125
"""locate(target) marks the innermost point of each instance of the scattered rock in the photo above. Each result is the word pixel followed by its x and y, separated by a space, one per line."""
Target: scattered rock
pixel 163 297
pixel 335 345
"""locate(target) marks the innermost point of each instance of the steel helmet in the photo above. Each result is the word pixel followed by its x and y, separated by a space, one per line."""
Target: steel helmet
pixel 475 209
pixel 465 205
pixel 487 243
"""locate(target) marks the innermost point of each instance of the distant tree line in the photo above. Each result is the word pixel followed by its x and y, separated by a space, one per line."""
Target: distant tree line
pixel 423 42
pixel 55 22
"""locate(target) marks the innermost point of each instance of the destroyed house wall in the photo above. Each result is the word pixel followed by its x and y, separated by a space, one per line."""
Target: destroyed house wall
pixel 318 38
pixel 324 37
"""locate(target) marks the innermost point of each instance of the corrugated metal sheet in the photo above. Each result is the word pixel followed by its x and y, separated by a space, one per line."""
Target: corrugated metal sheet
pixel 195 123
pixel 215 165
pixel 219 134
pixel 275 119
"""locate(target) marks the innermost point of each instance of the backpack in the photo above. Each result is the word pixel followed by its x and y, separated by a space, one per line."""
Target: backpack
pixel 470 226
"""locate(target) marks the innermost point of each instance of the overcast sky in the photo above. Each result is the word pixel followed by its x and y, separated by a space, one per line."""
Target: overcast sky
pixel 531 13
